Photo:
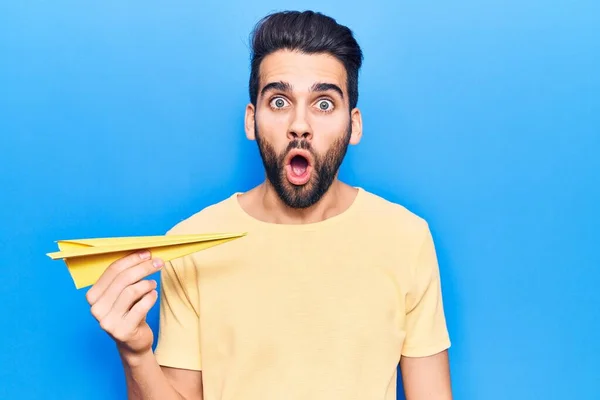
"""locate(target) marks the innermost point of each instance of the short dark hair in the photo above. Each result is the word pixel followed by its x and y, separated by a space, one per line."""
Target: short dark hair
pixel 308 32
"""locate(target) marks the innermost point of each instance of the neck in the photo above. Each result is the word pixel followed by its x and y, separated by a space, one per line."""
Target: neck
pixel 264 204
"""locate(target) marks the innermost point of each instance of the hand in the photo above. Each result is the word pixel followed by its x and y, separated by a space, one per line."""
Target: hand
pixel 120 301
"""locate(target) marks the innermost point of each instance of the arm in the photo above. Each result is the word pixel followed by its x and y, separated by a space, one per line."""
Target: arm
pixel 426 378
pixel 146 379
pixel 424 360
pixel 187 382
pixel 120 301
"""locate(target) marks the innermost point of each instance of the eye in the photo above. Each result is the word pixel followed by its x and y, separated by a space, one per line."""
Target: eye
pixel 325 105
pixel 278 102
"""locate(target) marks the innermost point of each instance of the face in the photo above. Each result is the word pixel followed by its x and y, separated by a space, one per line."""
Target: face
pixel 302 124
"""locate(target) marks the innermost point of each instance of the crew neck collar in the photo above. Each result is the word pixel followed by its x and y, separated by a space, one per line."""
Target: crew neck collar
pixel 312 226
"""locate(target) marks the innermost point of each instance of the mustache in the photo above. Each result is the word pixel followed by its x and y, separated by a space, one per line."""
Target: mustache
pixel 302 144
pixel 299 144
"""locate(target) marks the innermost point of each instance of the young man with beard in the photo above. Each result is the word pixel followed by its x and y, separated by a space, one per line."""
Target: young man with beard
pixel 332 288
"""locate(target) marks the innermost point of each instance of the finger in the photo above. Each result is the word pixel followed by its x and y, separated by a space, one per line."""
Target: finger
pixel 125 278
pixel 140 310
pixel 113 271
pixel 131 295
pixel 113 322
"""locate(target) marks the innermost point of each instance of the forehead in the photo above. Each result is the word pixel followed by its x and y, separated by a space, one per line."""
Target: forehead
pixel 301 70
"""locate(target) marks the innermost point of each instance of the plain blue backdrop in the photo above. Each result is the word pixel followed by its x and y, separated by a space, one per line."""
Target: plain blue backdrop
pixel 124 117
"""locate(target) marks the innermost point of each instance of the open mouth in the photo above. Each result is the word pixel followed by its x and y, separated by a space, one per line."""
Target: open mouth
pixel 298 167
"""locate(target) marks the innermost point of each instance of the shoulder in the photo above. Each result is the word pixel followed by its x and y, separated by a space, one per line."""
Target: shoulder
pixel 392 216
pixel 211 218
pixel 402 235
pixel 393 228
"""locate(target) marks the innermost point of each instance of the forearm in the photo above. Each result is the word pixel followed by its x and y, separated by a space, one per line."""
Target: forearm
pixel 145 379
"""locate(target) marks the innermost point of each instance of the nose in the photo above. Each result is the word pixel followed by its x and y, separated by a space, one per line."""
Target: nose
pixel 299 126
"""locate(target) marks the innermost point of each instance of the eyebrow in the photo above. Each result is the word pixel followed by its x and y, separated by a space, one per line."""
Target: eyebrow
pixel 273 86
pixel 325 87
pixel 286 87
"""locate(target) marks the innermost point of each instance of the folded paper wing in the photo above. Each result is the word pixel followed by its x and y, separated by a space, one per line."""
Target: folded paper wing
pixel 87 259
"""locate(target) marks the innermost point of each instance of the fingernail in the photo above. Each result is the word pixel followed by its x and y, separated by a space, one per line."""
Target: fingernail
pixel 157 262
pixel 144 255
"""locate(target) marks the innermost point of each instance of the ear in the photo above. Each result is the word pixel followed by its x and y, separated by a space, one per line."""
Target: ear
pixel 249 122
pixel 356 120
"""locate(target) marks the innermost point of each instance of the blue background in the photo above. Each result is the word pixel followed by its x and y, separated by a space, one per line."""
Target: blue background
pixel 122 118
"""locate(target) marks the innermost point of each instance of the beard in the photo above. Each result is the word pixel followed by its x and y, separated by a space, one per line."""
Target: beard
pixel 325 169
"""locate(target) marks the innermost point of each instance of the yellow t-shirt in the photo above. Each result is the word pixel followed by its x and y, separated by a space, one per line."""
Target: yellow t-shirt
pixel 318 311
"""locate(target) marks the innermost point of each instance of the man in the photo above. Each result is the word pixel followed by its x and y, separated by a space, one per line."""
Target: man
pixel 331 288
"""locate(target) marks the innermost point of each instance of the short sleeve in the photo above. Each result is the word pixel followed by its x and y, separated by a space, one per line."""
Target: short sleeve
pixel 425 322
pixel 178 343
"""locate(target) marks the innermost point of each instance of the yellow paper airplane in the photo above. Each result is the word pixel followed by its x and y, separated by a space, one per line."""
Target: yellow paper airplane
pixel 87 259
